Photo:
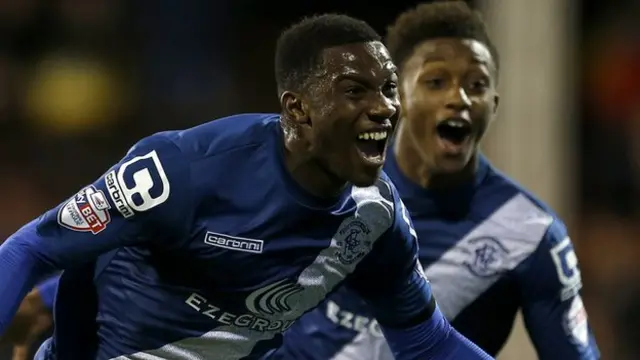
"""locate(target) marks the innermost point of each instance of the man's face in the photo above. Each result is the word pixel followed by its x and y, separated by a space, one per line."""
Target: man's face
pixel 352 106
pixel 448 98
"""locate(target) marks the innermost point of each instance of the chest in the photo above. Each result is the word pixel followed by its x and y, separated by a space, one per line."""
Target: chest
pixel 247 277
pixel 468 258
pixel 241 253
pixel 286 255
pixel 471 265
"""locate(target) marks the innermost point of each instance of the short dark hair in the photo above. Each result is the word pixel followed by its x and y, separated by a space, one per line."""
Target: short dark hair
pixel 440 19
pixel 299 48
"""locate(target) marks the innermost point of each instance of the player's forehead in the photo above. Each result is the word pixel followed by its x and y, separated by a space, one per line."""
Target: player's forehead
pixel 443 51
pixel 369 59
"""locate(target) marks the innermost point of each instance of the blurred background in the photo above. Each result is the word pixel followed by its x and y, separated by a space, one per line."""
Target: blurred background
pixel 82 80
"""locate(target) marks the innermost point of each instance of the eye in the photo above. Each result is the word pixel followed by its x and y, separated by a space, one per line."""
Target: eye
pixel 434 83
pixel 479 85
pixel 355 91
pixel 390 89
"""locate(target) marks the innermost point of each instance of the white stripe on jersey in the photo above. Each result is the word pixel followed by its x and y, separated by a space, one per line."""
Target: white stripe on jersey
pixel 231 342
pixel 519 225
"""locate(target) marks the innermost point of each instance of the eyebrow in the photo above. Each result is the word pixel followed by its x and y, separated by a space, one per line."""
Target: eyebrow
pixel 475 60
pixel 353 77
pixel 363 80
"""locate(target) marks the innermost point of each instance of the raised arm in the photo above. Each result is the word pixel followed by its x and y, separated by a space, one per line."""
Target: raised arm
pixel 136 201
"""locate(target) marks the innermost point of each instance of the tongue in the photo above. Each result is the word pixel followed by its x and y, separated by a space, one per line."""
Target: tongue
pixel 368 147
pixel 451 147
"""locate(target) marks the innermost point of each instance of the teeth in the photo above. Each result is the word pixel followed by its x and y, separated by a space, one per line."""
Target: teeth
pixel 455 123
pixel 373 135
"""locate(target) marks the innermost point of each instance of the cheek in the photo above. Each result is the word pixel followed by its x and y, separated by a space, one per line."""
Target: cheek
pixel 419 131
pixel 321 121
pixel 323 111
pixel 482 113
pixel 322 102
pixel 328 135
pixel 420 114
pixel 398 114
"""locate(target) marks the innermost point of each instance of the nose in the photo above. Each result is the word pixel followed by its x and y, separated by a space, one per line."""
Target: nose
pixel 458 99
pixel 384 108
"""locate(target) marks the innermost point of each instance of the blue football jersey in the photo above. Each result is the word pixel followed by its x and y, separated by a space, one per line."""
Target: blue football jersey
pixel 488 248
pixel 199 244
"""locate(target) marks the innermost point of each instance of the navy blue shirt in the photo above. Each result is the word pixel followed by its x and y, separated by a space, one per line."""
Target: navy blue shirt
pixel 198 244
pixel 489 248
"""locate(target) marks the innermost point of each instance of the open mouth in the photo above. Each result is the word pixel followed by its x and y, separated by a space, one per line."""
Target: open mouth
pixel 455 131
pixel 371 145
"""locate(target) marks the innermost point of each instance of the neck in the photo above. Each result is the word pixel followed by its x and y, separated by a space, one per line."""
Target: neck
pixel 424 174
pixel 307 171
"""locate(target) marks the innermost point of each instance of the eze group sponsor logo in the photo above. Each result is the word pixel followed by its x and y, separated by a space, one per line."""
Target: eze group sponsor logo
pixel 116 195
pixel 251 321
pixel 273 299
pixel 87 211
pixel 352 321
pixel 233 242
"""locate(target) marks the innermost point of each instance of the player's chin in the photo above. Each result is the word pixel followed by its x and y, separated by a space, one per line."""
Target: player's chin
pixel 453 157
pixel 362 175
pixel 365 170
pixel 451 164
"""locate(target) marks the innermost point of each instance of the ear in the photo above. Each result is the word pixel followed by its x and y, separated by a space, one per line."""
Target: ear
pixel 496 102
pixel 294 108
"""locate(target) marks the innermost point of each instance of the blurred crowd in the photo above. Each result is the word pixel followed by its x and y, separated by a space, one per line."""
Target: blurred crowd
pixel 610 178
pixel 82 80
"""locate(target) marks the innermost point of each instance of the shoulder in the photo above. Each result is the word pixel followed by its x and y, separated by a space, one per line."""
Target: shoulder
pixel 512 207
pixel 225 135
pixel 512 227
pixel 207 156
pixel 153 171
pixel 551 257
pixel 380 201
pixel 387 189
pixel 398 218
pixel 376 207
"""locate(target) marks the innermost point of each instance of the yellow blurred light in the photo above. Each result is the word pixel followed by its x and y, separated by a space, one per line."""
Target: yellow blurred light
pixel 71 96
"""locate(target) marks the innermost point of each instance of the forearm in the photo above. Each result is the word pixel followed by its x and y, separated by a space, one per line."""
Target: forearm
pixel 20 268
pixel 32 318
pixel 433 338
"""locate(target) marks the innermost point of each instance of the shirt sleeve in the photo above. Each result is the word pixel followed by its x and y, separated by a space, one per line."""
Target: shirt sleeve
pixel 554 314
pixel 47 290
pixel 139 200
pixel 394 285
pixel 391 279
